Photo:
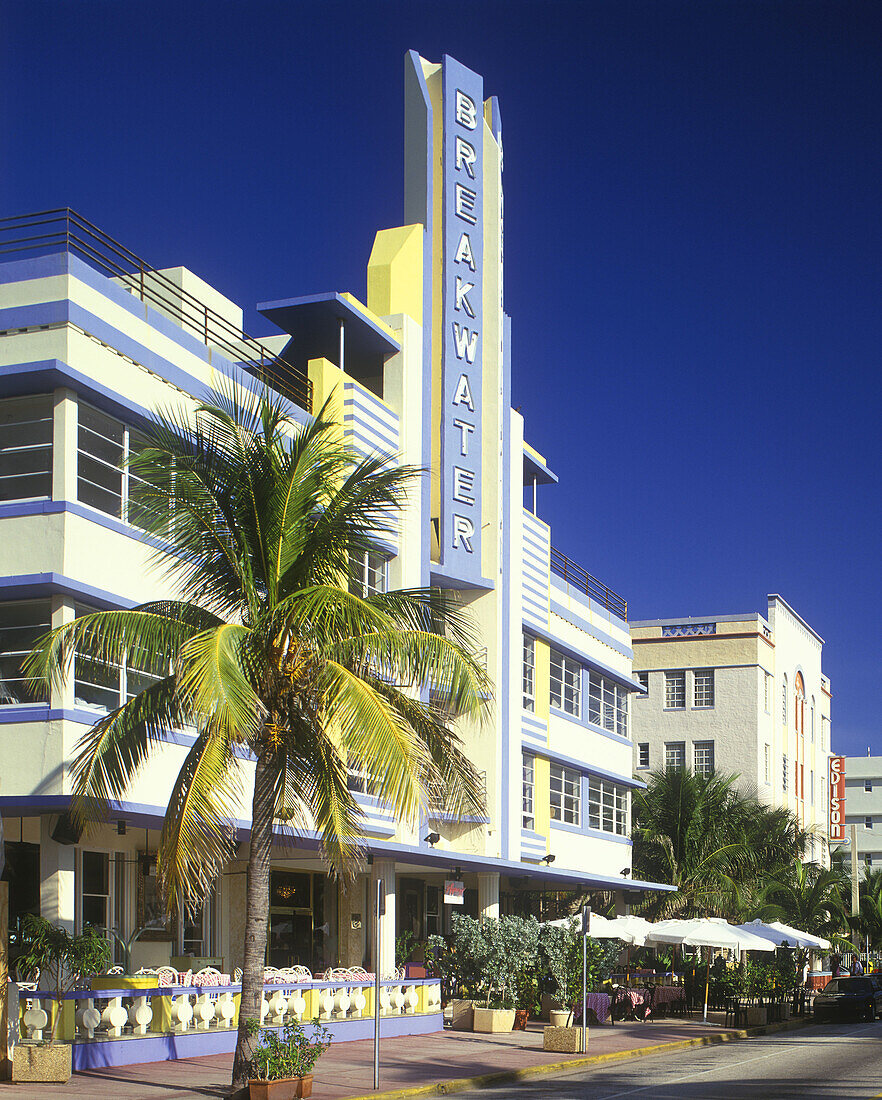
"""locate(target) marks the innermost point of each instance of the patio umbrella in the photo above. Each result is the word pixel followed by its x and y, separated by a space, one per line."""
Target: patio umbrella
pixel 781 934
pixel 629 929
pixel 818 942
pixel 709 932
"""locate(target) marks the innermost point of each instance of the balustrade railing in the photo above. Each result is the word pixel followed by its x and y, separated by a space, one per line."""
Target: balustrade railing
pixel 89 1015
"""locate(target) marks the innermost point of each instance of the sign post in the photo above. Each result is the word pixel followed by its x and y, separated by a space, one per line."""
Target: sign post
pixel 379 911
pixel 586 928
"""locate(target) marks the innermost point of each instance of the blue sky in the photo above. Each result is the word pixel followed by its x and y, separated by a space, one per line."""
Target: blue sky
pixel 693 247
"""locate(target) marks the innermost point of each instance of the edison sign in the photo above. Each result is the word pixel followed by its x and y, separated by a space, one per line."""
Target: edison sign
pixel 837 797
pixel 462 313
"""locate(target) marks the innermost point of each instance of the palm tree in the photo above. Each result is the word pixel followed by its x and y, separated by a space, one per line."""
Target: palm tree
pixel 808 897
pixel 268 654
pixel 710 840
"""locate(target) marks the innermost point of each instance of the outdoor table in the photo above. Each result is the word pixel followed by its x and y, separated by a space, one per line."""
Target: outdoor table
pixel 598 1003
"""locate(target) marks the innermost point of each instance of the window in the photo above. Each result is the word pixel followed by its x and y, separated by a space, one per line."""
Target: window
pixel 529 790
pixel 643 754
pixel 607 704
pixel 767 693
pixel 868 823
pixel 21 624
pixel 566 795
pixel 95 889
pixel 868 786
pixel 107 686
pixel 703 687
pixel 767 763
pixel 529 672
pixel 825 733
pixel 703 757
pixel 607 806
pixel 812 786
pixel 812 718
pixel 197 928
pixel 675 690
pixel 784 774
pixel 368 573
pixel 675 754
pixel 566 686
pixel 26 448
pixel 643 678
pixel 784 701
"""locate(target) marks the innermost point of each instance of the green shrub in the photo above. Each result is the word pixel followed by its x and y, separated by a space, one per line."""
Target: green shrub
pixel 294 1054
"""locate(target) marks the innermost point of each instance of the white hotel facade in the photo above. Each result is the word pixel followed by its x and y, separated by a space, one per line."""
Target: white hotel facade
pixel 92 340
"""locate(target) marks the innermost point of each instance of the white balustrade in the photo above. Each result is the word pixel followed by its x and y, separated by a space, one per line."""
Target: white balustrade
pixel 385 1000
pixel 140 1015
pixel 114 1017
pixel 342 1001
pixel 88 1017
pixel 326 1004
pixel 278 1006
pixel 297 1004
pixel 397 999
pixel 359 1002
pixel 181 1012
pixel 204 1011
pixel 411 999
pixel 35 1018
pixel 225 1010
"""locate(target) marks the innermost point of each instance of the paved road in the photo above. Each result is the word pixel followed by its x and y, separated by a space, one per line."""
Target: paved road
pixel 827 1062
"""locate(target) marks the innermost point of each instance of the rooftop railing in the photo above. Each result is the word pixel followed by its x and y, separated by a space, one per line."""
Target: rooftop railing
pixel 51 231
pixel 582 581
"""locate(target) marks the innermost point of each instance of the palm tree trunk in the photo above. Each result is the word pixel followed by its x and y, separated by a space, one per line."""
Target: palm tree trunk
pixel 256 910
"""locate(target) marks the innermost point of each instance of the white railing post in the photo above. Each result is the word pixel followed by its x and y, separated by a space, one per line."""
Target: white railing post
pixel 140 1015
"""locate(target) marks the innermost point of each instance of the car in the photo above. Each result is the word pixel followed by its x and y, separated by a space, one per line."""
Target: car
pixel 849 997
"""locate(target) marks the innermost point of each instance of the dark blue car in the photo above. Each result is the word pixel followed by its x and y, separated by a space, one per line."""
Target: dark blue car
pixel 849 997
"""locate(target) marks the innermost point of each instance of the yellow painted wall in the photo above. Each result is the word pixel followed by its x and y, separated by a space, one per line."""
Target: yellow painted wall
pixel 395 273
pixel 327 382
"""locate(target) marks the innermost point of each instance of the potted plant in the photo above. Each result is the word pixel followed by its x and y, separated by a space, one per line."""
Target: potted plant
pixel 60 961
pixel 492 955
pixel 281 1067
pixel 561 949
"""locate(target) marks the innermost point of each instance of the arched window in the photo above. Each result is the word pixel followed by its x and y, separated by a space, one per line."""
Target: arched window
pixel 799 704
pixel 812 719
pixel 784 701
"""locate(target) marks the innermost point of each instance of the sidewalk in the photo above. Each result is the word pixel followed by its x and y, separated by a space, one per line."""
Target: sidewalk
pixel 346 1070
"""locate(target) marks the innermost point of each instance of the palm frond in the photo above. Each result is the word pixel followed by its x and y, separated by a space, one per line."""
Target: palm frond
pixel 213 676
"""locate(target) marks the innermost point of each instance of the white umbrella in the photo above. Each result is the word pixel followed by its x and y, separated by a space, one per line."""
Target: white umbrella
pixel 780 934
pixel 817 942
pixel 714 932
pixel 629 929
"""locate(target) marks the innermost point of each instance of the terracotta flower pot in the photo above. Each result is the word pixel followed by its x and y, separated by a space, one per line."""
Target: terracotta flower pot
pixel 521 1016
pixel 285 1088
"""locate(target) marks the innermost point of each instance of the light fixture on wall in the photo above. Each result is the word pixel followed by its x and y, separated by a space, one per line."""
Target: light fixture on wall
pixel 121 828
pixel 549 859
pixel 625 871
pixel 432 839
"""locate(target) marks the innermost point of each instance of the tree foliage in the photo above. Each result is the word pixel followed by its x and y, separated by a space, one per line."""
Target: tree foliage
pixel 269 656
pixel 714 842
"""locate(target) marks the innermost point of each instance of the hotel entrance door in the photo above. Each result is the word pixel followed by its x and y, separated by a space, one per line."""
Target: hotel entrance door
pixel 295 919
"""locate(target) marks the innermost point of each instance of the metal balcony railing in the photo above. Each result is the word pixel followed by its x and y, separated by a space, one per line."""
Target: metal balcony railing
pixel 51 231
pixel 581 580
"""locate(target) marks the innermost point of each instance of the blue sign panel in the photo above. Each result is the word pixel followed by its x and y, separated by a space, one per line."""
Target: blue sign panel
pixel 462 321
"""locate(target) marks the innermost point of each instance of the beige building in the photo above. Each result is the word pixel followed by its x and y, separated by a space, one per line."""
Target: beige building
pixel 744 695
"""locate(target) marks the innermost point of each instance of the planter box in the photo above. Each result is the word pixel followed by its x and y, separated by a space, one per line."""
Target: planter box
pixel 560 1017
pixel 562 1040
pixel 757 1016
pixel 462 1015
pixel 493 1020
pixel 45 1062
pixel 289 1088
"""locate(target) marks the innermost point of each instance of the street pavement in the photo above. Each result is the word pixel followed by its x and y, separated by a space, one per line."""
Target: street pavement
pixel 826 1062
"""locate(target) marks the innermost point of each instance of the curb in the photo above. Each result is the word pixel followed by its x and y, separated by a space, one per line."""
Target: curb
pixel 510 1076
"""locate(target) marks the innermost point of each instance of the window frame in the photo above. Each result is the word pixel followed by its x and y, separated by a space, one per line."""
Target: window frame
pixel 675 688
pixel 10 452
pixel 607 704
pixel 568 690
pixel 34 631
pixel 703 746
pixel 528 673
pixel 528 791
pixel 566 784
pixel 680 746
pixel 365 565
pixel 706 675
pixel 640 754
pixel 608 806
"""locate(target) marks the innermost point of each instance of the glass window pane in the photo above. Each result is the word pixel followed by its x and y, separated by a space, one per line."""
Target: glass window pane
pixel 22 622
pixel 26 425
